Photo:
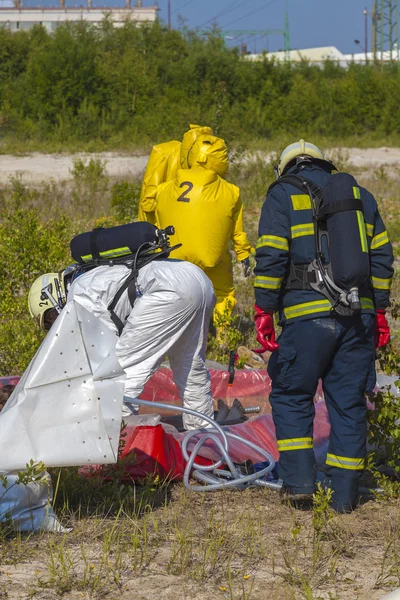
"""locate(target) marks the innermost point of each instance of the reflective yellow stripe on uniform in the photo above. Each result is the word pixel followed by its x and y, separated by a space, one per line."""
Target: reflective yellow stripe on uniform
pixel 114 252
pixel 302 230
pixel 345 462
pixel 295 444
pixel 369 229
pixel 269 283
pixel 307 308
pixel 361 228
pixel 273 241
pixel 379 240
pixel 367 303
pixel 356 192
pixel 318 306
pixel 382 284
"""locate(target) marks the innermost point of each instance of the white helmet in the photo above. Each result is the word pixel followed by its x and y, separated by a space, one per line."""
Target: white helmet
pixel 297 150
pixel 46 299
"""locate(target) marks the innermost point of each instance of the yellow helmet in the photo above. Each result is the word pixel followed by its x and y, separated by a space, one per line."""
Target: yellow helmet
pixel 47 293
pixel 297 150
pixel 189 139
pixel 209 152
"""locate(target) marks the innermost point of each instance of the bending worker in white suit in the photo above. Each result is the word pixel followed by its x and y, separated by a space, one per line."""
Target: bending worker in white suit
pixel 170 316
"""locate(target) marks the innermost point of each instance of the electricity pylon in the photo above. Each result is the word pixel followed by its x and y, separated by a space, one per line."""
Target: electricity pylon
pixel 385 28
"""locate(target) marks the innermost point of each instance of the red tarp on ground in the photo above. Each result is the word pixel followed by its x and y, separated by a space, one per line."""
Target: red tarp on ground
pixel 156 451
pixel 252 387
pixel 13 380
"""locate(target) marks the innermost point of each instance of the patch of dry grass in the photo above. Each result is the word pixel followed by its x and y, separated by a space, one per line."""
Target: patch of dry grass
pixel 220 545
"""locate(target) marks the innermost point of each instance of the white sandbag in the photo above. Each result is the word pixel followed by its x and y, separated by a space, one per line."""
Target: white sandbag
pixel 29 506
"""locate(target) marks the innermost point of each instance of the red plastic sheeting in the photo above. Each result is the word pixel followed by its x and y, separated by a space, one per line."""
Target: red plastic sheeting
pixel 250 386
pixel 13 380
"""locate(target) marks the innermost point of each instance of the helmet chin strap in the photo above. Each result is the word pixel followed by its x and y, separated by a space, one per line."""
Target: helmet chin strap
pixel 298 161
pixel 47 293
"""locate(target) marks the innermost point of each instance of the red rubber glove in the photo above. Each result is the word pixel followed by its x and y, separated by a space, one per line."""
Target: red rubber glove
pixel 382 330
pixel 264 322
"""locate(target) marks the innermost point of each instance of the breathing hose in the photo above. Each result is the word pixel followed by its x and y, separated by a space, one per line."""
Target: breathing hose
pixel 212 476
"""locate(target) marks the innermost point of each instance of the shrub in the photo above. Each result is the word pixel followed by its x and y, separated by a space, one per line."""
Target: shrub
pixel 28 248
pixel 125 200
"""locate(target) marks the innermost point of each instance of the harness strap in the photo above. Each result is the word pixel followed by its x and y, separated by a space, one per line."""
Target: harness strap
pixel 300 278
pixel 130 285
pixel 340 206
pixel 94 250
pixel 130 282
pixel 298 181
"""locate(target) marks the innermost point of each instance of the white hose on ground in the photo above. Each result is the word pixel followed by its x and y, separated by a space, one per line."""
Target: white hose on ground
pixel 219 478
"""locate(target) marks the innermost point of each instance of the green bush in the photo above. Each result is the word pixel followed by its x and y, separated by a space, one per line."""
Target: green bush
pixel 96 87
pixel 28 248
pixel 125 198
pixel 90 184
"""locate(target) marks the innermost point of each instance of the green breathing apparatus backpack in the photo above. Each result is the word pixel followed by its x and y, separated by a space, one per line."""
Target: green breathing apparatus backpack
pixel 133 245
pixel 341 265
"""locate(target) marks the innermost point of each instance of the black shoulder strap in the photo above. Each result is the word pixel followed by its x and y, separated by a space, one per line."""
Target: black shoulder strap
pixel 298 181
pixel 340 206
pixel 130 285
pixel 94 250
pixel 130 282
pixel 306 185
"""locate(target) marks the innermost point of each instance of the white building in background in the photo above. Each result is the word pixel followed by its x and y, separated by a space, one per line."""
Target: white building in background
pixel 15 16
pixel 315 55
pixel 320 55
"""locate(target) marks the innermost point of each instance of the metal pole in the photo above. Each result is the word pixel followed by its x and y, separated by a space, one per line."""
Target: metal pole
pixel 286 35
pixel 374 27
pixel 169 15
pixel 366 33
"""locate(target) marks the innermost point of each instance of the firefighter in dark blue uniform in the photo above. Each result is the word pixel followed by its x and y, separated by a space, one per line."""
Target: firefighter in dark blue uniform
pixel 316 342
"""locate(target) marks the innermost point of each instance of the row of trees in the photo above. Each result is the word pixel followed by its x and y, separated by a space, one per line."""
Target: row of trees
pixel 137 85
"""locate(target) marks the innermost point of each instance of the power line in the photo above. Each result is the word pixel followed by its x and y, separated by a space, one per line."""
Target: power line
pixel 251 13
pixel 183 6
pixel 229 8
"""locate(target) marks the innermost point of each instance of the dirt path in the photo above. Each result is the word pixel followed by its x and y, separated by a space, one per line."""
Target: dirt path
pixel 38 167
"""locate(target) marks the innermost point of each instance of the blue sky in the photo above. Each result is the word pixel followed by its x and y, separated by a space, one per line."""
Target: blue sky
pixel 312 22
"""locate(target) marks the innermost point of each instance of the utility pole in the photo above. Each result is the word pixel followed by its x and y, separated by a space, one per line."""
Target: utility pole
pixel 169 15
pixel 366 33
pixel 374 30
pixel 286 34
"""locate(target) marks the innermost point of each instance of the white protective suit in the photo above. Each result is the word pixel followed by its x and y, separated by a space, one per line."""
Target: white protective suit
pixel 170 317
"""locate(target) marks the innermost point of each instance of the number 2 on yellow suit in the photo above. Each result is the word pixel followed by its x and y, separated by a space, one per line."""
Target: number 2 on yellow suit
pixel 206 212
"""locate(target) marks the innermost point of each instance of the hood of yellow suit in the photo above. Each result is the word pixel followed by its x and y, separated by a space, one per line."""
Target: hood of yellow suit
pixel 189 139
pixel 209 152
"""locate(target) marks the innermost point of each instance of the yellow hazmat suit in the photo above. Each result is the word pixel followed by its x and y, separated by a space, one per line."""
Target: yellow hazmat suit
pixel 206 212
pixel 164 161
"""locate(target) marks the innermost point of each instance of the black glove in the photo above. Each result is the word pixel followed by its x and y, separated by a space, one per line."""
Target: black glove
pixel 246 267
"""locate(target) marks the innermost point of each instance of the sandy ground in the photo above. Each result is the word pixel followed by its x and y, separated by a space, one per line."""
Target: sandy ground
pixel 39 167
